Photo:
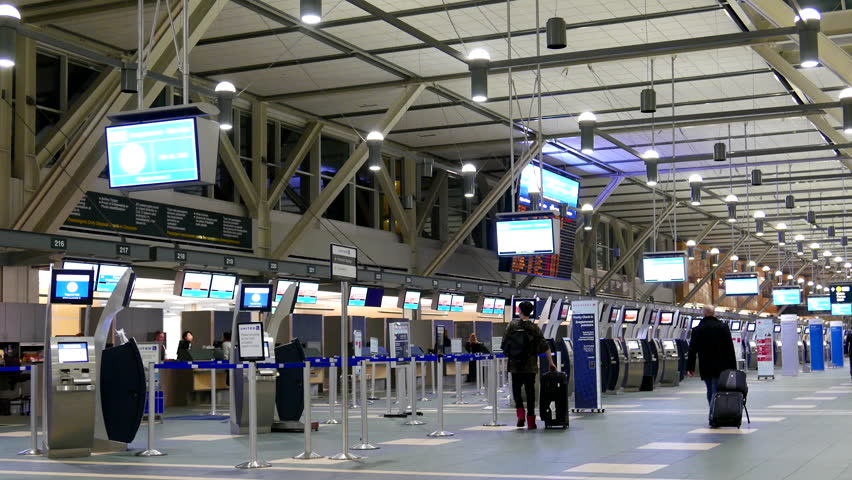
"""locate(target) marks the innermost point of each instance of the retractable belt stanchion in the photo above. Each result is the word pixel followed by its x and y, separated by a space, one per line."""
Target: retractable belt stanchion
pixel 434 375
pixel 412 368
pixel 253 462
pixel 34 409
pixel 365 435
pixel 492 394
pixel 354 390
pixel 558 361
pixel 151 451
pixel 388 387
pixel 459 398
pixel 372 382
pixel 213 392
pixel 424 368
pixel 478 370
pixel 440 431
pixel 486 381
pixel 309 453
pixel 332 393
pixel 344 390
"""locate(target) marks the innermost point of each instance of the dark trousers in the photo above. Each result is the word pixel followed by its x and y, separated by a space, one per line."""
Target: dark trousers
pixel 712 388
pixel 525 381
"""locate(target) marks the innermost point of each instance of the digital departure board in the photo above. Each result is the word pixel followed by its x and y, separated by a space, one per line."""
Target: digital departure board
pixel 559 265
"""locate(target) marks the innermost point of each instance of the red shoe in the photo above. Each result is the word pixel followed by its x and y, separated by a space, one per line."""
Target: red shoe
pixel 531 422
pixel 521 412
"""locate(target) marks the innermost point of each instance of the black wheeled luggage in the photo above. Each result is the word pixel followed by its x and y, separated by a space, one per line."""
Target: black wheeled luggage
pixel 726 410
pixel 554 399
pixel 733 381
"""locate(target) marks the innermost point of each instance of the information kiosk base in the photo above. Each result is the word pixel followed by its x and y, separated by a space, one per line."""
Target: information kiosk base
pixel 289 401
pixel 70 406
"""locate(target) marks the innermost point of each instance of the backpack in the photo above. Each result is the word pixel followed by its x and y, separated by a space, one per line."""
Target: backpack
pixel 518 345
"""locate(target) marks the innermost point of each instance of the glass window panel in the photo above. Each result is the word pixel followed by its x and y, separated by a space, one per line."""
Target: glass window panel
pixel 47 81
pixel 334 155
pixel 80 78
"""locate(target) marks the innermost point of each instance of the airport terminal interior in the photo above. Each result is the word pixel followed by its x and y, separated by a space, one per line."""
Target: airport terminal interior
pixel 352 239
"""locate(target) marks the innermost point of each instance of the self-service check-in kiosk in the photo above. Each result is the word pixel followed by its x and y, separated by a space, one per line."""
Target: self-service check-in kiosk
pixel 71 397
pixel 669 360
pixel 776 333
pixel 750 346
pixel 613 338
pixel 636 361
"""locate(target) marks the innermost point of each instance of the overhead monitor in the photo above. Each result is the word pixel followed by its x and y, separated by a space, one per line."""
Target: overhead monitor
pixel 357 296
pixel 222 286
pixel 72 265
pixel 556 187
pixel 786 295
pixel 457 303
pixel 281 287
pixel 72 352
pixel 193 284
pixel 409 299
pixel 631 315
pixel 776 328
pixel 527 237
pixel 819 303
pixel 256 297
pixel 108 277
pixel 154 153
pixel 751 327
pixel 442 302
pixel 486 305
pixel 738 284
pixel 374 297
pixel 736 325
pixel 840 292
pixel 633 344
pixel 499 306
pixel 694 323
pixel 664 267
pixel 308 292
pixel 841 308
pixel 666 318
pixel 71 287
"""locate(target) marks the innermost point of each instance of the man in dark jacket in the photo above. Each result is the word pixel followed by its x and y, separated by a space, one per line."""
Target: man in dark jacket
pixel 711 342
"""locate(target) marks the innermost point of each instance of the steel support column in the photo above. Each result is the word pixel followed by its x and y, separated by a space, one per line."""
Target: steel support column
pixel 640 241
pixel 260 177
pixel 712 271
pixel 345 174
pixel 481 210
pixel 6 116
pixel 24 164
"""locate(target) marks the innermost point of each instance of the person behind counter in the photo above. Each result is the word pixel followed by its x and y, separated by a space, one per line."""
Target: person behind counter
pixel 473 345
pixel 226 345
pixel 160 338
pixel 184 346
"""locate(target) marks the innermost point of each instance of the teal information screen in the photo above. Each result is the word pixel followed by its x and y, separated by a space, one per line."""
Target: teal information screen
pixel 153 153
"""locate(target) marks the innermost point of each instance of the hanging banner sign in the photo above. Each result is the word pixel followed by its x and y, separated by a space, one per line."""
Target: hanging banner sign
pixel 836 329
pixel 817 345
pixel 765 347
pixel 587 377
pixel 789 345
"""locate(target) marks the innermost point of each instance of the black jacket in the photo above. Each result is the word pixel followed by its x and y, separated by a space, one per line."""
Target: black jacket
pixel 711 342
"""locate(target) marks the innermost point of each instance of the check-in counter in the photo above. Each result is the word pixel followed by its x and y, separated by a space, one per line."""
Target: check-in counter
pixel 189 387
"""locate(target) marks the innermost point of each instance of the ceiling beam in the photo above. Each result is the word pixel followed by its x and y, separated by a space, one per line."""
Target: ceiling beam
pixel 309 137
pixel 424 209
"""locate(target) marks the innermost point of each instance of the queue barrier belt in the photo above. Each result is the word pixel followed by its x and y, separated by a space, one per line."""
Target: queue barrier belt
pixel 315 362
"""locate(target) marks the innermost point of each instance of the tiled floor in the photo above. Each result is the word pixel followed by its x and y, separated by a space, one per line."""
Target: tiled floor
pixel 660 435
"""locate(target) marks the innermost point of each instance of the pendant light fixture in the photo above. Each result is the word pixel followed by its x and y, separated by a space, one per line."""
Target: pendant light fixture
pixel 844 241
pixel 831 232
pixel 814 252
pixel 469 177
pixel 311 11
pixel 800 245
pixel 756 177
pixel 811 217
pixel 732 200
pixel 714 257
pixel 374 144
pixel 557 35
pixel 790 201
pixel 808 25
pixel 479 59
pixel 690 249
pixel 734 265
pixel 695 182
pixel 752 265
pixel 651 157
pixel 588 211
pixel 781 227
pixel 766 268
pixel 128 77
pixel 535 198
pixel 846 105
pixel 719 152
pixel 225 93
pixel 759 219
pixel 587 121
pixel 10 19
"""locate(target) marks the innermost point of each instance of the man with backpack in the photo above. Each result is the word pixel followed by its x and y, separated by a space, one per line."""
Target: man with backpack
pixel 711 343
pixel 522 343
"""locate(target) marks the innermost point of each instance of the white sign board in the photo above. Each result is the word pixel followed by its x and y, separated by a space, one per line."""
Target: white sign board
pixel 456 345
pixel 250 338
pixel 344 262
pixel 374 346
pixel 150 353
pixel 496 344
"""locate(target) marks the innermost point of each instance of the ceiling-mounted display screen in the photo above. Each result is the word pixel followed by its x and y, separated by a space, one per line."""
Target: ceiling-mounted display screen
pixel 281 289
pixel 666 318
pixel 786 296
pixel 409 299
pixel 631 315
pixel 442 302
pixel 527 237
pixel 154 153
pixel 751 327
pixel 71 287
pixel 108 277
pixel 357 296
pixel 222 286
pixel 819 304
pixel 741 284
pixel 736 325
pixel 664 267
pixel 256 297
pixel 499 306
pixel 841 308
pixel 457 303
pixel 555 187
pixel 193 284
pixel 840 293
pixel 308 292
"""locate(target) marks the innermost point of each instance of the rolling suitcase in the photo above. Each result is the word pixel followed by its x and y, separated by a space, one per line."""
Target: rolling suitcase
pixel 554 399
pixel 735 381
pixel 726 410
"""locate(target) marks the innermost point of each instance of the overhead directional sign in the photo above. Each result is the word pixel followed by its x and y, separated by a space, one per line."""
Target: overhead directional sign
pixel 344 262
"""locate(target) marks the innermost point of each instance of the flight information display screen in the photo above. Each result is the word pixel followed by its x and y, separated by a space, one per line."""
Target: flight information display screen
pixel 841 308
pixel 499 306
pixel 664 267
pixel 108 277
pixel 786 296
pixel 555 188
pixel 357 296
pixel 308 293
pixel 411 299
pixel 457 304
pixel 741 284
pixel 444 302
pixel 819 304
pixel 154 153
pixel 527 237
pixel 666 318
pixel 223 286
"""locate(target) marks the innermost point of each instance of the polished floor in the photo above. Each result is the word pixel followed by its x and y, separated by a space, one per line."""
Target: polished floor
pixel 800 430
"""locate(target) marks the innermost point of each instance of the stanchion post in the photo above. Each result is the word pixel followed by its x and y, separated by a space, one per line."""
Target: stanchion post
pixel 355 389
pixel 151 451
pixel 253 462
pixel 492 394
pixel 388 387
pixel 412 393
pixel 434 375
pixel 424 369
pixel 478 370
pixel 365 434
pixel 213 392
pixel 332 393
pixel 34 405
pixel 440 432
pixel 372 382
pixel 344 377
pixel 486 381
pixel 558 361
pixel 459 398
pixel 309 453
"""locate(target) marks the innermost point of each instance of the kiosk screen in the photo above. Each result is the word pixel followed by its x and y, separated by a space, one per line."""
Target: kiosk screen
pixel 631 315
pixel 72 287
pixel 751 327
pixel 73 352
